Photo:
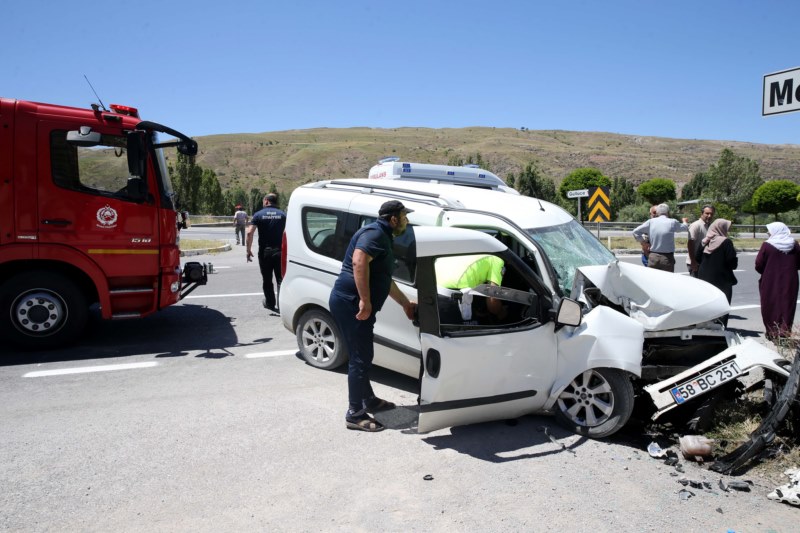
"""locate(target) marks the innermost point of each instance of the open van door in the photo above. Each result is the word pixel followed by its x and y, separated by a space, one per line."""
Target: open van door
pixel 475 372
pixel 511 234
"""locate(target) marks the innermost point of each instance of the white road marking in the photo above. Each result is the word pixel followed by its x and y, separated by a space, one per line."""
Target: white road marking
pixel 270 354
pixel 751 306
pixel 225 295
pixel 87 369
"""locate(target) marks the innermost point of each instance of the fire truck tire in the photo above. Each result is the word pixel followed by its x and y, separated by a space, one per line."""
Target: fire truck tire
pixel 42 310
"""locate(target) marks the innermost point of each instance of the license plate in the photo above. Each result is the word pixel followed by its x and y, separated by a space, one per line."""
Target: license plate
pixel 705 382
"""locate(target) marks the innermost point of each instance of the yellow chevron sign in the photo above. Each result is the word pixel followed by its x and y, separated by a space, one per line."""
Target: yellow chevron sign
pixel 599 204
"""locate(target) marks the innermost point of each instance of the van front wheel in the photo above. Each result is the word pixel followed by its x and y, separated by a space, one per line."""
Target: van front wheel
pixel 596 404
pixel 319 340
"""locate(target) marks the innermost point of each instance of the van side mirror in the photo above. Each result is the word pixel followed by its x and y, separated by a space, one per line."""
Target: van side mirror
pixel 570 313
pixel 84 137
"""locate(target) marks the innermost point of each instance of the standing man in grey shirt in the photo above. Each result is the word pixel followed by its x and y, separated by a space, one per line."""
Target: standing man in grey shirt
pixel 697 232
pixel 661 232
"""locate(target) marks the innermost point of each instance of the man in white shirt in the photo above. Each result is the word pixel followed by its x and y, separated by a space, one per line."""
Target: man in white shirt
pixel 661 232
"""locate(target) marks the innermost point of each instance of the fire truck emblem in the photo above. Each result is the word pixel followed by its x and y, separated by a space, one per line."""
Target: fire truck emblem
pixel 107 217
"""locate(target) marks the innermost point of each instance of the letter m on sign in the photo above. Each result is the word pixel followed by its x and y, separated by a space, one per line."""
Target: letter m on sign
pixel 599 204
pixel 781 92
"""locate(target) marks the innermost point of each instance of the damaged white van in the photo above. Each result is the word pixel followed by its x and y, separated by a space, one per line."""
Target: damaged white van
pixel 582 332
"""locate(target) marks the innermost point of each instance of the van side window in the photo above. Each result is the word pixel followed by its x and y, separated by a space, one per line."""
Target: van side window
pixel 320 230
pixel 405 252
pixel 101 170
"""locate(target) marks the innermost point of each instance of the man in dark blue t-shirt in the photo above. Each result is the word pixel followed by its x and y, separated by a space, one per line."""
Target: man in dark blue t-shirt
pixel 358 294
pixel 270 223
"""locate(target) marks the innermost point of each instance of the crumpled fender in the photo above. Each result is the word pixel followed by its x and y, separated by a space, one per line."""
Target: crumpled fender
pixel 658 300
pixel 605 339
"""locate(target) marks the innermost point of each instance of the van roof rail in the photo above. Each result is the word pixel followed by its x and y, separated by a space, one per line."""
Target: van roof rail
pixel 431 198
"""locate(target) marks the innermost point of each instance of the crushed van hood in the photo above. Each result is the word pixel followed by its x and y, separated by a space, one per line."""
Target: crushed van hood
pixel 658 300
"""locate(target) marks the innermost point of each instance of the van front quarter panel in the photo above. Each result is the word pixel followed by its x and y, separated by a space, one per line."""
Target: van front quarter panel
pixel 605 339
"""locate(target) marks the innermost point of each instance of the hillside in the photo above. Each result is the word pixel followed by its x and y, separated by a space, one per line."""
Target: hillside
pixel 290 158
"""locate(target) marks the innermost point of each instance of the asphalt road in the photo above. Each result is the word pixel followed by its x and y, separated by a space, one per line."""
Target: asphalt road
pixel 203 418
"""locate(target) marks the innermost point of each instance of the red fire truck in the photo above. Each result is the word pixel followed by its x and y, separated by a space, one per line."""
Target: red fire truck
pixel 87 216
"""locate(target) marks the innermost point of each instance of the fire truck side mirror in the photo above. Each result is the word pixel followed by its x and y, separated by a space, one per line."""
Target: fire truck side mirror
pixel 83 137
pixel 136 153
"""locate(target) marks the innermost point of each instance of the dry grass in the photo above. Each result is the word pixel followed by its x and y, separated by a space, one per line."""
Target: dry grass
pixel 290 158
pixel 197 244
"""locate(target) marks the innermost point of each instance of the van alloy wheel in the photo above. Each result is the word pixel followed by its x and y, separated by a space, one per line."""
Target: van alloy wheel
pixel 319 340
pixel 597 403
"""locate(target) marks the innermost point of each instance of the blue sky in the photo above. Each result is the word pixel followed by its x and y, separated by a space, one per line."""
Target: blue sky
pixel 680 69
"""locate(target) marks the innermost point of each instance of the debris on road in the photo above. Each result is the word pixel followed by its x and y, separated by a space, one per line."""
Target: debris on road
pixel 695 447
pixel 790 492
pixel 555 441
pixel 656 451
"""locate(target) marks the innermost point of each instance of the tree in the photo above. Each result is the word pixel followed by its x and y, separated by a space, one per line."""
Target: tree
pixel 657 190
pixel 696 187
pixel 186 177
pixel 583 178
pixel 776 196
pixel 622 194
pixel 211 199
pixel 734 179
pixel 531 182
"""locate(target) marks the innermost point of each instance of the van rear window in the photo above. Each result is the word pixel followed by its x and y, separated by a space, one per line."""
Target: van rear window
pixel 321 231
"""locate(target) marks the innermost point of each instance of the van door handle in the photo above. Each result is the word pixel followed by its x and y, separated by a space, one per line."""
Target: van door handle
pixel 56 222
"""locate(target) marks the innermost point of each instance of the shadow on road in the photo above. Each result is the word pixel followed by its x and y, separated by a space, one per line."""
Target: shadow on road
pixel 173 332
pixel 528 437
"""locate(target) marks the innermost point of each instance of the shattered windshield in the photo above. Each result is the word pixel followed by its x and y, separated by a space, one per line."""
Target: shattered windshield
pixel 570 246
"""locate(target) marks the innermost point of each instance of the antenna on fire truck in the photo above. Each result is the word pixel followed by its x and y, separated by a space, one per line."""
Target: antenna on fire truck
pixel 102 105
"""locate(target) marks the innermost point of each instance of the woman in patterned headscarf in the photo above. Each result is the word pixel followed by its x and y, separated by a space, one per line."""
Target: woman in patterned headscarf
pixel 778 261
pixel 717 259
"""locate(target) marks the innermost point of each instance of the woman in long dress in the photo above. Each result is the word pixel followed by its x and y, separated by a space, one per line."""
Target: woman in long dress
pixel 778 261
pixel 717 259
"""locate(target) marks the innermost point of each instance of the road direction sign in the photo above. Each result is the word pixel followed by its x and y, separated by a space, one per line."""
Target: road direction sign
pixel 781 92
pixel 578 193
pixel 599 205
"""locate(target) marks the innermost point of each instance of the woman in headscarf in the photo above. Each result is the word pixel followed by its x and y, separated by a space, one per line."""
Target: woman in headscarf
pixel 717 259
pixel 778 261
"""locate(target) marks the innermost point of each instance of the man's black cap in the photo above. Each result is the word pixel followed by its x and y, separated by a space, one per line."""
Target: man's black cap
pixel 393 207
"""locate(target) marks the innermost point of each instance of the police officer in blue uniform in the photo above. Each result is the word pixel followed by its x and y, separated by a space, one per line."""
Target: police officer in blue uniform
pixel 270 223
pixel 360 290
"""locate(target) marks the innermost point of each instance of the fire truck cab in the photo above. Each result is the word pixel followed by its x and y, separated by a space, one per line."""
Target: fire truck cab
pixel 87 215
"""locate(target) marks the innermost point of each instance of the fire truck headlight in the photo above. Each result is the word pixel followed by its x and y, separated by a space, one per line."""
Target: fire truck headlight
pixel 175 286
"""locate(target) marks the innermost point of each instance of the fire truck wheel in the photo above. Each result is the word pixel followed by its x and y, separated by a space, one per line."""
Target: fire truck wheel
pixel 42 310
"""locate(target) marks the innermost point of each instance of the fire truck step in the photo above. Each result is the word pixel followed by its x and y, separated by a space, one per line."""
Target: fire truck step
pixel 133 290
pixel 124 316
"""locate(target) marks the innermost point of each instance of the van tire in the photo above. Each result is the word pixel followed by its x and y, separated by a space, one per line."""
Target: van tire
pixel 319 340
pixel 42 310
pixel 596 404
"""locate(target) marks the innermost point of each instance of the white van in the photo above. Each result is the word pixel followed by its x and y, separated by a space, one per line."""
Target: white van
pixel 391 168
pixel 630 326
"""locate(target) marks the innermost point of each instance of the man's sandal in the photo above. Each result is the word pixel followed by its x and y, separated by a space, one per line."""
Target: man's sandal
pixel 379 404
pixel 364 424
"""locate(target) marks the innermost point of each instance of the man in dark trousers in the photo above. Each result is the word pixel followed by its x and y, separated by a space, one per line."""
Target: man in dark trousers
pixel 270 223
pixel 358 294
